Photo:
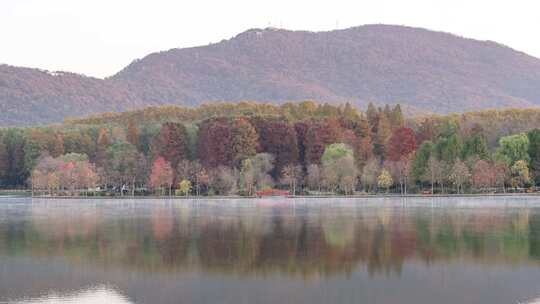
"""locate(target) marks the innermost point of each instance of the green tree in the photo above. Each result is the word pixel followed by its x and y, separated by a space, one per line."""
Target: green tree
pixel 475 145
pixel 339 169
pixel 420 162
pixel 534 153
pixel 513 148
pixel 449 145
pixel 4 161
pixel 122 165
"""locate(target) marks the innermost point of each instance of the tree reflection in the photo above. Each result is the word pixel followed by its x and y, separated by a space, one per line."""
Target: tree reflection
pixel 318 241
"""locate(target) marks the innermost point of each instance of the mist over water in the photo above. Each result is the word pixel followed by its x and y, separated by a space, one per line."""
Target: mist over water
pixel 377 250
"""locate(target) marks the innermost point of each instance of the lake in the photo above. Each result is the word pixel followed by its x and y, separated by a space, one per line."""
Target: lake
pixel 371 250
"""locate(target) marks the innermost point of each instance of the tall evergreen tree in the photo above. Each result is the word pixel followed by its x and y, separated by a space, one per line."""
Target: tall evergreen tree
pixel 449 144
pixel 396 117
pixel 534 153
pixel 421 160
pixel 4 161
pixel 373 117
pixel 384 132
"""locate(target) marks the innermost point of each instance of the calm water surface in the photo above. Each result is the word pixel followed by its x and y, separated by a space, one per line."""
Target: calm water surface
pixel 414 250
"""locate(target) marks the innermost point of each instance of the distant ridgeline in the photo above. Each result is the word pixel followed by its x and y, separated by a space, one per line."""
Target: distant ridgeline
pixel 301 147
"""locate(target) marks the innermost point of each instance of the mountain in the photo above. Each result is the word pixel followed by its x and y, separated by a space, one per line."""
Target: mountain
pixel 421 69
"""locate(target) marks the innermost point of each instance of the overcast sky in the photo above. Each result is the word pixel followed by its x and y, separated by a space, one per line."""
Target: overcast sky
pixel 99 37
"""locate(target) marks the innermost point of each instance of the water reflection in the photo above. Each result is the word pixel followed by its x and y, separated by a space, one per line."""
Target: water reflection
pixel 312 241
pixel 94 295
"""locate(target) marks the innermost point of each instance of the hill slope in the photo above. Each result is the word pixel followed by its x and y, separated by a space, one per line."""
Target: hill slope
pixel 422 69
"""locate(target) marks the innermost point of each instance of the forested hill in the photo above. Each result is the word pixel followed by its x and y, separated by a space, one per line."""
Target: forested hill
pixel 417 68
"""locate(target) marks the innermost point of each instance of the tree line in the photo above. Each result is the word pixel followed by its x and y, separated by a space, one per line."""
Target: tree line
pixel 302 147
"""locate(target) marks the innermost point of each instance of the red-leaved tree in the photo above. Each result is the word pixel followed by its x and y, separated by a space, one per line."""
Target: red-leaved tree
pixel 162 174
pixel 401 144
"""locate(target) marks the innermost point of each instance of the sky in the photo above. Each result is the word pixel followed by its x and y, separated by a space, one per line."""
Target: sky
pixel 100 37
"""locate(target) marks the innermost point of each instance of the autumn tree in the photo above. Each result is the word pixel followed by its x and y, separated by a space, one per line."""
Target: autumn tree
pixel 133 134
pixel 427 131
pixel 45 174
pixel 483 175
pixel 370 173
pixel 363 152
pixel 81 140
pixel 301 129
pixel 314 177
pixel 279 139
pixel 214 145
pixel 122 165
pixel 103 142
pixel 320 135
pixel 171 144
pixel 434 173
pixel 291 174
pixel 223 180
pixel 247 176
pixel 262 165
pixel 244 140
pixel 194 172
pixel 520 173
pixel 385 180
pixel 502 173
pixel 184 187
pixel 56 147
pixel 400 171
pixel 70 172
pixel 460 175
pixel 401 144
pixel 162 175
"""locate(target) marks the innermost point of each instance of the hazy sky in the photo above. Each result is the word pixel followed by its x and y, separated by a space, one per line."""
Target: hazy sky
pixel 99 37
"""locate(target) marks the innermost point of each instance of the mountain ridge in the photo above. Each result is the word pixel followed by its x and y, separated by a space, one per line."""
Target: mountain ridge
pixel 419 68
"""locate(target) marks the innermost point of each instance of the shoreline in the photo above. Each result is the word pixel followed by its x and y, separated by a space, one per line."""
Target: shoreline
pixel 126 197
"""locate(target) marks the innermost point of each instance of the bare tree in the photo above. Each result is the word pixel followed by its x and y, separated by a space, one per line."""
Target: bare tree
pixel 291 174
